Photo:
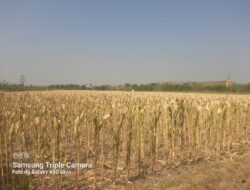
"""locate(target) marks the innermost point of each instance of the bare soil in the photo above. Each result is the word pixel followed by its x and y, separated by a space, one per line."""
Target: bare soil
pixel 232 173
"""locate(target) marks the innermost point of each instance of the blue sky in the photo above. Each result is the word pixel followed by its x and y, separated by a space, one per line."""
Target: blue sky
pixel 116 42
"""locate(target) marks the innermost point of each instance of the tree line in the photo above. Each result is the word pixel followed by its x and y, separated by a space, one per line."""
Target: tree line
pixel 165 87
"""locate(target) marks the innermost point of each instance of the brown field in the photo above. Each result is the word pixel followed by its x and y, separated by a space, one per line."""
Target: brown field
pixel 131 138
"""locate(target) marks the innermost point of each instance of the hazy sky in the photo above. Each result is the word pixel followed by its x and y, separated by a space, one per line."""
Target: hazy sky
pixel 123 41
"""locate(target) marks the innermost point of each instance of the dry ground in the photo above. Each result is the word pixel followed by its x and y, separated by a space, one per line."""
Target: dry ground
pixel 230 174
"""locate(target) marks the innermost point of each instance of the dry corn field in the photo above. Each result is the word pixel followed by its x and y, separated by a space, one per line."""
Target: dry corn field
pixel 124 135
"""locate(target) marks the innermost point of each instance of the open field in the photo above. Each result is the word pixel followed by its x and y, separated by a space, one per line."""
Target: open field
pixel 126 136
